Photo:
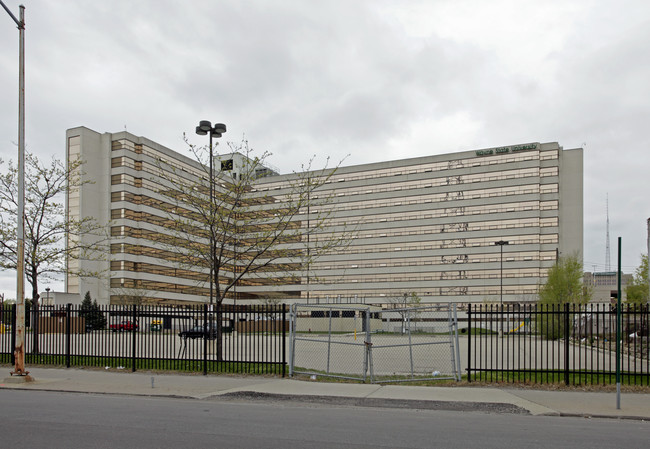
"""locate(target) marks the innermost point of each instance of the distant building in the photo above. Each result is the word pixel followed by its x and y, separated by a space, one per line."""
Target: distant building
pixel 604 285
pixel 51 298
pixel 425 225
pixel 233 164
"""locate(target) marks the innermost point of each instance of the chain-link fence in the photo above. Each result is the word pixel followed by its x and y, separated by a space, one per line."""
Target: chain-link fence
pixel 365 342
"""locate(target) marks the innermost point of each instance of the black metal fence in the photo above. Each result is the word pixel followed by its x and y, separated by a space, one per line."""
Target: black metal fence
pixel 567 343
pixel 529 343
pixel 242 339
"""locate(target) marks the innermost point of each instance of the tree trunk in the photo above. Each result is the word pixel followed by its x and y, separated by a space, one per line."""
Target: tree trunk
pixel 219 332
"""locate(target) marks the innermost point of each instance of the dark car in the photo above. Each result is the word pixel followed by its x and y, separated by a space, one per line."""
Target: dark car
pixel 199 332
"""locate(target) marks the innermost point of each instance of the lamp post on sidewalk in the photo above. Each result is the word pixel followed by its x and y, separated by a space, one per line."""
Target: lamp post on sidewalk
pixel 216 131
pixel 501 244
pixel 19 351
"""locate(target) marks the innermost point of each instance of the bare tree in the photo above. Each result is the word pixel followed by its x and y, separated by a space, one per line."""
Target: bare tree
pixel 129 296
pixel 402 303
pixel 47 226
pixel 234 230
pixel 51 236
pixel 253 232
pixel 270 303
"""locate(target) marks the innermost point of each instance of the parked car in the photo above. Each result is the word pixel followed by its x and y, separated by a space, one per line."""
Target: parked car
pixel 199 331
pixel 124 326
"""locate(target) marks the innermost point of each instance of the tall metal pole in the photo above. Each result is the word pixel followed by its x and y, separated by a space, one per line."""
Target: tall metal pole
pixel 501 294
pixel 501 244
pixel 20 266
pixel 618 329
pixel 501 276
pixel 648 302
pixel 205 127
pixel 308 231
pixel 211 225
pixel 235 266
pixel 19 351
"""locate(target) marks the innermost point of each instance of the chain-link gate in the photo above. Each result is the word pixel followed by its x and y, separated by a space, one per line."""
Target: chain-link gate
pixel 361 342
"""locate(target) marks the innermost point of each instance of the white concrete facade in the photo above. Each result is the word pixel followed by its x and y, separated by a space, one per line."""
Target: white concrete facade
pixel 604 286
pixel 429 225
pixel 426 225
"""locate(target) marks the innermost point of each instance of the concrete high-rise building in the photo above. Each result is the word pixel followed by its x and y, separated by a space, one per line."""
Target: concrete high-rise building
pixel 426 225
pixel 604 285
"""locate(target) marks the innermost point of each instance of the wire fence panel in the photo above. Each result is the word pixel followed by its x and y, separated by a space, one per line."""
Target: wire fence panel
pixel 365 342
pixel 420 343
pixel 574 344
pixel 331 340
pixel 190 338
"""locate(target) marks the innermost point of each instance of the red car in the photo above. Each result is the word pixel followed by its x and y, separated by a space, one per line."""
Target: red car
pixel 124 326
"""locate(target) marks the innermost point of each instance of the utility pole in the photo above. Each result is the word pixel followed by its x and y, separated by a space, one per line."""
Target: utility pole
pixel 205 127
pixel 619 323
pixel 19 350
pixel 500 244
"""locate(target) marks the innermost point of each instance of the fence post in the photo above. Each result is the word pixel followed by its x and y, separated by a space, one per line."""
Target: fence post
pixel 13 334
pixel 68 332
pixel 135 333
pixel 567 334
pixel 469 343
pixel 329 339
pixel 292 337
pixel 457 345
pixel 369 346
pixel 284 339
pixel 205 337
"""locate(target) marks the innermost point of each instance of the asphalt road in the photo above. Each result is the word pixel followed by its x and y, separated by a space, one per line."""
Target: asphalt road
pixel 39 419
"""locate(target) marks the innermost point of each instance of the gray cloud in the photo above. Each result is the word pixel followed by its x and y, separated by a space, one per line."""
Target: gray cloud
pixel 374 80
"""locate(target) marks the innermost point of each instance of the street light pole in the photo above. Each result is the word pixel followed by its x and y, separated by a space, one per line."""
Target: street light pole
pixel 19 351
pixel 501 244
pixel 205 127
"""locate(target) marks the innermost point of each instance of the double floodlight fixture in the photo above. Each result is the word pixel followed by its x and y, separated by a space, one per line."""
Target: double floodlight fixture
pixel 206 127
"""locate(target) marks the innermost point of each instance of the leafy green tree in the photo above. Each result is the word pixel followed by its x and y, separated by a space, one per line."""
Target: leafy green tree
pixel 563 286
pixel 92 313
pixel 564 283
pixel 637 291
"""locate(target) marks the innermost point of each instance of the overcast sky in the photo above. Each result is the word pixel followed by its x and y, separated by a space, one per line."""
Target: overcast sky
pixel 371 80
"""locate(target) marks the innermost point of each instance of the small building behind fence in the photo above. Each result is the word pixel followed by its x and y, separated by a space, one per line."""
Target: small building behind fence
pixel 330 318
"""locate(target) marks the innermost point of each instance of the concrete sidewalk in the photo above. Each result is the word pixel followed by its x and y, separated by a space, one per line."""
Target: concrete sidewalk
pixel 535 402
